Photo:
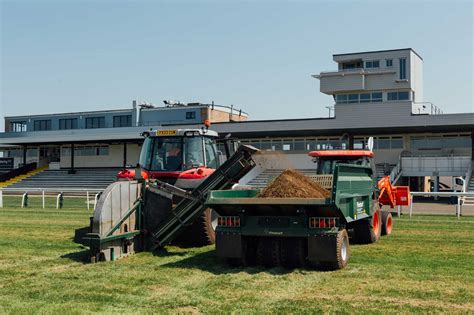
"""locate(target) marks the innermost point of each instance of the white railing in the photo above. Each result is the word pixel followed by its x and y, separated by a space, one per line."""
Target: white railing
pixel 396 172
pixel 444 165
pixel 467 179
pixel 52 192
pixel 458 205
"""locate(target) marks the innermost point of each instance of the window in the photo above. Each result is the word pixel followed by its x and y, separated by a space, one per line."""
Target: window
pixel 95 122
pixel 18 126
pixel 211 153
pixel 383 143
pixel 70 123
pixel 396 143
pixel 123 121
pixel 190 115
pixel 352 65
pixel 42 125
pixel 353 98
pixel 365 98
pixel 403 68
pixel 398 96
pixel 372 64
pixel 341 99
pixel 377 97
pixel 389 63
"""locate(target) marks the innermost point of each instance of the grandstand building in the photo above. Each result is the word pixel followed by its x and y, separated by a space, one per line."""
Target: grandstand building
pixel 376 94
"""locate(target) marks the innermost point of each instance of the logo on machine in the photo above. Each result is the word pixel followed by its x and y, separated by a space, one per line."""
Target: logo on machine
pixel 166 133
pixel 360 206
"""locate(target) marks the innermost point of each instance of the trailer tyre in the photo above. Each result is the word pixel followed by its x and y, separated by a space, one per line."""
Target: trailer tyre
pixel 387 223
pixel 368 231
pixel 342 253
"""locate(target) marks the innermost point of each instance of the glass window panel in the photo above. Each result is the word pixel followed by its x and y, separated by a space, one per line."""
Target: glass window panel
pixel 266 145
pixel 353 98
pixel 403 96
pixel 341 98
pixel 375 64
pixel 389 63
pixel 365 97
pixel 299 145
pixel 396 143
pixel 383 143
pixel 392 96
pixel 377 97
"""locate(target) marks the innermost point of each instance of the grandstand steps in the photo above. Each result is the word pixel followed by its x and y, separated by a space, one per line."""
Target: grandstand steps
pixel 19 178
pixel 95 178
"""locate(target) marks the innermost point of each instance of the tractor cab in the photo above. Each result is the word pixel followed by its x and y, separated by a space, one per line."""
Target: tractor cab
pixel 327 160
pixel 181 157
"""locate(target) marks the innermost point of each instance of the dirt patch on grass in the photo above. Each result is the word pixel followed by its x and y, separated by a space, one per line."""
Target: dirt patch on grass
pixel 292 184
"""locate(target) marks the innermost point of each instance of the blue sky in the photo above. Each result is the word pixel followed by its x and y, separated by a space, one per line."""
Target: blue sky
pixel 257 55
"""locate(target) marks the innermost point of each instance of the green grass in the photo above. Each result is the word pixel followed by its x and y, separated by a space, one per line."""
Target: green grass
pixel 426 265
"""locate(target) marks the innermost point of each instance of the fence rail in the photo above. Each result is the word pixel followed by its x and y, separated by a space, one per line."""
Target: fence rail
pixel 458 205
pixel 58 193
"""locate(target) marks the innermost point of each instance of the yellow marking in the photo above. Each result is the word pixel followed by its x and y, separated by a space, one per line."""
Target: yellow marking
pixel 166 133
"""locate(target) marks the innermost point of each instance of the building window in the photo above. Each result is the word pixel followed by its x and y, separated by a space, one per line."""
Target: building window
pixel 70 123
pixel 341 99
pixel 95 122
pixel 190 115
pixel 398 96
pixel 388 63
pixel 42 125
pixel 403 68
pixel 123 121
pixel 365 98
pixel 376 97
pixel 372 64
pixel 353 98
pixel 352 65
pixel 18 126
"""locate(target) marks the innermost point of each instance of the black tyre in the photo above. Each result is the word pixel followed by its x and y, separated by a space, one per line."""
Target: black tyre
pixel 368 231
pixel 268 252
pixel 201 232
pixel 293 253
pixel 342 253
pixel 249 254
pixel 387 223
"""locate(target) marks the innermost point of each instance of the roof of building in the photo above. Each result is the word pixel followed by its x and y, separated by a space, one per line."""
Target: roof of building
pixel 378 51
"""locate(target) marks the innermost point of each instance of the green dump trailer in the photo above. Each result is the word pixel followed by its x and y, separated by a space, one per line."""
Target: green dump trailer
pixel 298 232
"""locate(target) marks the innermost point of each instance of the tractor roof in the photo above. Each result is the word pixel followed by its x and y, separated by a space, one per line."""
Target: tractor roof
pixel 341 153
pixel 182 132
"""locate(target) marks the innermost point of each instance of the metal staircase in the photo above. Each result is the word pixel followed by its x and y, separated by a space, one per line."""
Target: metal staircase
pixel 469 187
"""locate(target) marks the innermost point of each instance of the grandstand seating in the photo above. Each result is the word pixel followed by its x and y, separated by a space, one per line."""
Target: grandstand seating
pixel 97 178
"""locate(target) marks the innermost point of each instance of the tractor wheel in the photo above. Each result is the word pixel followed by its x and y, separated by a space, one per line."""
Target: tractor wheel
pixel 342 253
pixel 368 230
pixel 249 251
pixel 201 232
pixel 268 252
pixel 387 223
pixel 292 253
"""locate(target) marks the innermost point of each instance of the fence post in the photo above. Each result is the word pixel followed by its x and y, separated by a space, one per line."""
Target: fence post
pixel 96 197
pixel 458 208
pixel 24 200
pixel 59 201
pixel 1 198
pixel 411 207
pixel 399 211
pixel 88 205
pixel 43 198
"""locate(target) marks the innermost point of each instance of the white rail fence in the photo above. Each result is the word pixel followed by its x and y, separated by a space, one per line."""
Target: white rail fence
pixel 458 206
pixel 58 193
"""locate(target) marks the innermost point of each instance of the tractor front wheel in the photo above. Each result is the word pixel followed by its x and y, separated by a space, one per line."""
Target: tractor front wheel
pixel 368 230
pixel 387 223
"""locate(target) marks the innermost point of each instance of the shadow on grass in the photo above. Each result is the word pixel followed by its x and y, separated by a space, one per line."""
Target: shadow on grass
pixel 82 256
pixel 208 261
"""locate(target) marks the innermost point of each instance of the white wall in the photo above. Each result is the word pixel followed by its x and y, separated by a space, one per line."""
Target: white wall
pixel 114 159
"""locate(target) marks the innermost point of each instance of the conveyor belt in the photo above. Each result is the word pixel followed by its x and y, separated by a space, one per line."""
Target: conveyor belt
pixel 229 173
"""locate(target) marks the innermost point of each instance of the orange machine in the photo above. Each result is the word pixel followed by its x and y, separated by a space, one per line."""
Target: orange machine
pixel 393 195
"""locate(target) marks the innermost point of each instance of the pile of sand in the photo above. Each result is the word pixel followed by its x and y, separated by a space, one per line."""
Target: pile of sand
pixel 291 184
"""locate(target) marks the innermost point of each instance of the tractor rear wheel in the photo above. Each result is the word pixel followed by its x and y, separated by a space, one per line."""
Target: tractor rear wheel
pixel 268 252
pixel 342 253
pixel 387 223
pixel 292 253
pixel 368 231
pixel 201 232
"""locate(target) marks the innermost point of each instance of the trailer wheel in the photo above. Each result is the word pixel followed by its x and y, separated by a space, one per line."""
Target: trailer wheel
pixel 342 253
pixel 268 252
pixel 292 253
pixel 387 223
pixel 368 231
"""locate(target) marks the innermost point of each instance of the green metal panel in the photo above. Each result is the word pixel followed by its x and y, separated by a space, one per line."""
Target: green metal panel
pixel 352 191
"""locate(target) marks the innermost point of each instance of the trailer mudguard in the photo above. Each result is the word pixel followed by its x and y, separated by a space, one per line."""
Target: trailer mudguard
pixel 321 247
pixel 229 245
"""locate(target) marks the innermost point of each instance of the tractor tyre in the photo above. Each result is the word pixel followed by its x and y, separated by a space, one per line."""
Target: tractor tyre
pixel 268 252
pixel 387 223
pixel 292 253
pixel 201 232
pixel 368 231
pixel 249 251
pixel 342 253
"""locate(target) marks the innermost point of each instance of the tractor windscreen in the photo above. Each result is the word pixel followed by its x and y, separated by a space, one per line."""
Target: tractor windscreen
pixel 172 154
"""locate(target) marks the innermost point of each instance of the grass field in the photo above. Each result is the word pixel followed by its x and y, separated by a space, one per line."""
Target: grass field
pixel 426 265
